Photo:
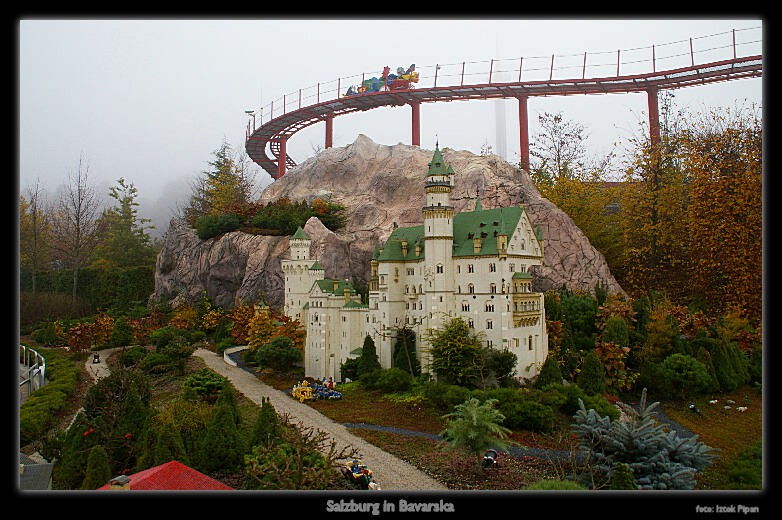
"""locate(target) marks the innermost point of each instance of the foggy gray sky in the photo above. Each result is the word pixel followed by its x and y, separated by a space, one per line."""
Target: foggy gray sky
pixel 150 100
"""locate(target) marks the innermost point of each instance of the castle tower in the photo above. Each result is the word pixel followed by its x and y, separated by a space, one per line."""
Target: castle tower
pixel 373 272
pixel 300 245
pixel 438 241
pixel 300 273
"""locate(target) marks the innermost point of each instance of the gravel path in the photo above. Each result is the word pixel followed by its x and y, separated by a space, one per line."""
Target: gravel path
pixel 390 472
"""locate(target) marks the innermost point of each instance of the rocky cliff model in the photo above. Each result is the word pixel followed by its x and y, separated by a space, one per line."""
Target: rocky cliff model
pixel 379 186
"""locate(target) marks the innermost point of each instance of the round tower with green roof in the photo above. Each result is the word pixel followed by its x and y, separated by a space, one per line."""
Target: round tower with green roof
pixel 438 217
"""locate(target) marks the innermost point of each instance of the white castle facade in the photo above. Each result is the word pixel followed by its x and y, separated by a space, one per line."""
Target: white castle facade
pixel 474 265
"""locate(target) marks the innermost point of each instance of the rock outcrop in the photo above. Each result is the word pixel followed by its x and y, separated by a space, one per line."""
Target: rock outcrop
pixel 379 185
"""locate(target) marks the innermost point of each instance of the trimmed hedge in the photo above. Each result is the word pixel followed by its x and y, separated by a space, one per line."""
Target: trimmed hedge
pixel 39 412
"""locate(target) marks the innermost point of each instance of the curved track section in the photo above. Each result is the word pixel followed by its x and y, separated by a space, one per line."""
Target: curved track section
pixel 264 144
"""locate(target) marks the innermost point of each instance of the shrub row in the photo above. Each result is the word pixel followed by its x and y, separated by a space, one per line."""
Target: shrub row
pixel 38 413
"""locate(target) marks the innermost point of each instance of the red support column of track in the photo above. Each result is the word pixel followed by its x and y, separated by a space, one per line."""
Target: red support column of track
pixel 654 117
pixel 523 133
pixel 282 159
pixel 329 131
pixel 416 137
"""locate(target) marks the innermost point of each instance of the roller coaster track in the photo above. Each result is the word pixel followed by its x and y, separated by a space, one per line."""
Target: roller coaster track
pixel 493 83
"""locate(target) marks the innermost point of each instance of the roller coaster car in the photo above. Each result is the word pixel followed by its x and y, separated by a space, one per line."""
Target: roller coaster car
pixel 359 474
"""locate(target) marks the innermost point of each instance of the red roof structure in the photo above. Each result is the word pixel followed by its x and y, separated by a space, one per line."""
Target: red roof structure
pixel 171 476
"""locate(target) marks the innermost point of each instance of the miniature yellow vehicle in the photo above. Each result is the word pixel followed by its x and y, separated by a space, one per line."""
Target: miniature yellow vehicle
pixel 302 392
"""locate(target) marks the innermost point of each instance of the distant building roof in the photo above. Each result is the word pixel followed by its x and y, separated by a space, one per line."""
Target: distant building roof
pixel 33 474
pixel 171 476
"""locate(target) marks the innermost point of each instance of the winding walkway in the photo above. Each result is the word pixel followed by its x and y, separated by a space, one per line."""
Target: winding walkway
pixel 389 471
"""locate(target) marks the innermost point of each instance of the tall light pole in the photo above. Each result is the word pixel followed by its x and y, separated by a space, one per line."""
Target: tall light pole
pixel 251 113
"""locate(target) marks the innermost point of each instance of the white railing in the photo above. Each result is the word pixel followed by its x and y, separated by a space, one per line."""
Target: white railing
pixel 711 48
pixel 33 375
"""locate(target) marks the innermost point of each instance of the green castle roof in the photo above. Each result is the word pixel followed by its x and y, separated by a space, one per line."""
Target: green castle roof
pixel 437 166
pixel 353 304
pixel 486 224
pixel 300 235
pixel 316 266
pixel 327 286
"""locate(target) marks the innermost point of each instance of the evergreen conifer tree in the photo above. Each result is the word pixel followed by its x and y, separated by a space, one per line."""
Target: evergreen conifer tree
pixel 404 352
pixel 591 379
pixel 368 361
pixel 98 471
pixel 549 373
pixel 126 443
pixel 227 398
pixel 267 426
pixel 167 446
pixel 69 471
pixel 622 477
pixel 657 459
pixel 221 447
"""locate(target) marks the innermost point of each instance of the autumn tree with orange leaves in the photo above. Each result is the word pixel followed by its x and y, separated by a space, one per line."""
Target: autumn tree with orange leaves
pixel 691 212
pixel 723 157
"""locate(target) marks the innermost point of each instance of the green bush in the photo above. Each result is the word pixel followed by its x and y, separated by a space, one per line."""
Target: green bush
pixel 46 335
pixel 208 226
pixel 394 380
pixel 521 412
pixel 279 354
pixel 204 385
pixel 132 355
pixel 223 344
pixel 164 336
pixel 622 477
pixel 196 335
pixel 730 365
pixel 445 396
pixel 555 485
pixel 121 333
pixel 501 363
pixel 349 369
pixel 565 399
pixel 369 379
pixel 685 376
pixel 549 373
pixel 746 470
pixel 157 363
